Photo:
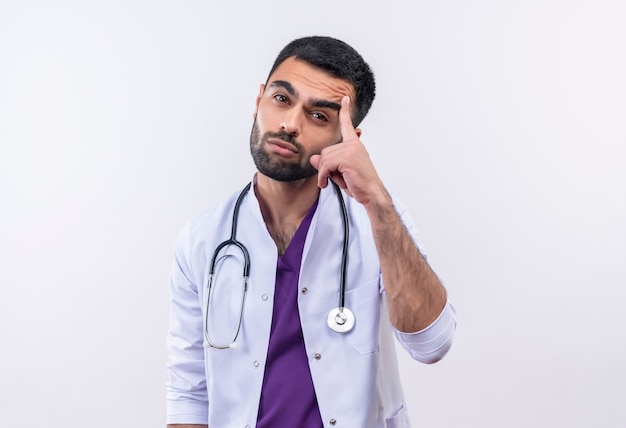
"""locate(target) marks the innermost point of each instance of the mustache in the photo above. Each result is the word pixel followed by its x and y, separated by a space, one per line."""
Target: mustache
pixel 284 136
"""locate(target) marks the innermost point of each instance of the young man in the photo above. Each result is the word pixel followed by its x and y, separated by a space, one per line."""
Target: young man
pixel 330 275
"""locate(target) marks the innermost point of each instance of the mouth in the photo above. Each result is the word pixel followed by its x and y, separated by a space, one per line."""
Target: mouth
pixel 281 147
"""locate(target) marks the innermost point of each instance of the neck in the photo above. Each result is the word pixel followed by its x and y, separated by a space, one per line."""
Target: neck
pixel 284 205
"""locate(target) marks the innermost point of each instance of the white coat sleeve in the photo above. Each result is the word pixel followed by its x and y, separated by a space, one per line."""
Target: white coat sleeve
pixel 187 401
pixel 432 343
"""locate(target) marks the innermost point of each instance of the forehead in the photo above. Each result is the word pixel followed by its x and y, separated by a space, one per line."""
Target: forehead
pixel 310 81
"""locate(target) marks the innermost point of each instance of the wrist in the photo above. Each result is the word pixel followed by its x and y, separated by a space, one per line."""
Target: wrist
pixel 380 207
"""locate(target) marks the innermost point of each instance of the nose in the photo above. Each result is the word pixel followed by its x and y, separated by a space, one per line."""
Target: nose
pixel 291 123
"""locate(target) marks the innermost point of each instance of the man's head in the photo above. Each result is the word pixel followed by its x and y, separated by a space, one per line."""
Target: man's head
pixel 339 59
pixel 297 109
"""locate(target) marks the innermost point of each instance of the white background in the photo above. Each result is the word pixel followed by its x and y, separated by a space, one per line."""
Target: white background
pixel 501 124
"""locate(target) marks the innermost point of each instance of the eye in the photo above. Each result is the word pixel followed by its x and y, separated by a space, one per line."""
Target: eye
pixel 281 98
pixel 319 116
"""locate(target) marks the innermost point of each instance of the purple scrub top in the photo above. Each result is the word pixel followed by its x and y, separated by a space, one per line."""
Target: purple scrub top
pixel 287 397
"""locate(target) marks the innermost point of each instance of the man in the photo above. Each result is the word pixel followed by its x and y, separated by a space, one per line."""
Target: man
pixel 296 349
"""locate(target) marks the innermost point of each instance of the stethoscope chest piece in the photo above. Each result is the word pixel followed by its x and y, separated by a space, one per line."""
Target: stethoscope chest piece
pixel 340 320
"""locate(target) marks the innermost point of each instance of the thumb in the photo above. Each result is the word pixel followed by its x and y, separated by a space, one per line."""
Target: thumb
pixel 315 161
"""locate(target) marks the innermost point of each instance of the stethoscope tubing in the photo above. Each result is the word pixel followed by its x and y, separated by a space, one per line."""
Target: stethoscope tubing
pixel 340 313
pixel 344 254
pixel 233 238
pixel 246 272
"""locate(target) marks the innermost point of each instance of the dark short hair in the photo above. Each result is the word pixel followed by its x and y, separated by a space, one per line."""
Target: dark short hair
pixel 339 59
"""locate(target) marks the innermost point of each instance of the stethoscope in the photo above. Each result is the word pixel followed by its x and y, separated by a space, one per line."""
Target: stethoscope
pixel 339 319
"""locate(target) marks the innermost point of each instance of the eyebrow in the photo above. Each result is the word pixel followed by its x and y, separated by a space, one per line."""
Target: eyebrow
pixel 326 104
pixel 286 85
pixel 320 103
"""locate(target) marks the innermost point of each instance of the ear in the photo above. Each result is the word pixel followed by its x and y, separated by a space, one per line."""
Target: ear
pixel 358 132
pixel 258 98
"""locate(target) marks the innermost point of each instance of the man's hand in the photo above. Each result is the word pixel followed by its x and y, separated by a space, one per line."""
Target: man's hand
pixel 348 164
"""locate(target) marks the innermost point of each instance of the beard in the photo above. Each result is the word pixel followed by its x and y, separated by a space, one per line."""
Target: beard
pixel 275 168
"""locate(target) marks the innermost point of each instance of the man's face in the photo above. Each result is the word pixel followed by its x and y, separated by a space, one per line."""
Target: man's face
pixel 297 115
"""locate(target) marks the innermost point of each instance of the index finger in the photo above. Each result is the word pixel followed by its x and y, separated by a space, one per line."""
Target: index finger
pixel 345 119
